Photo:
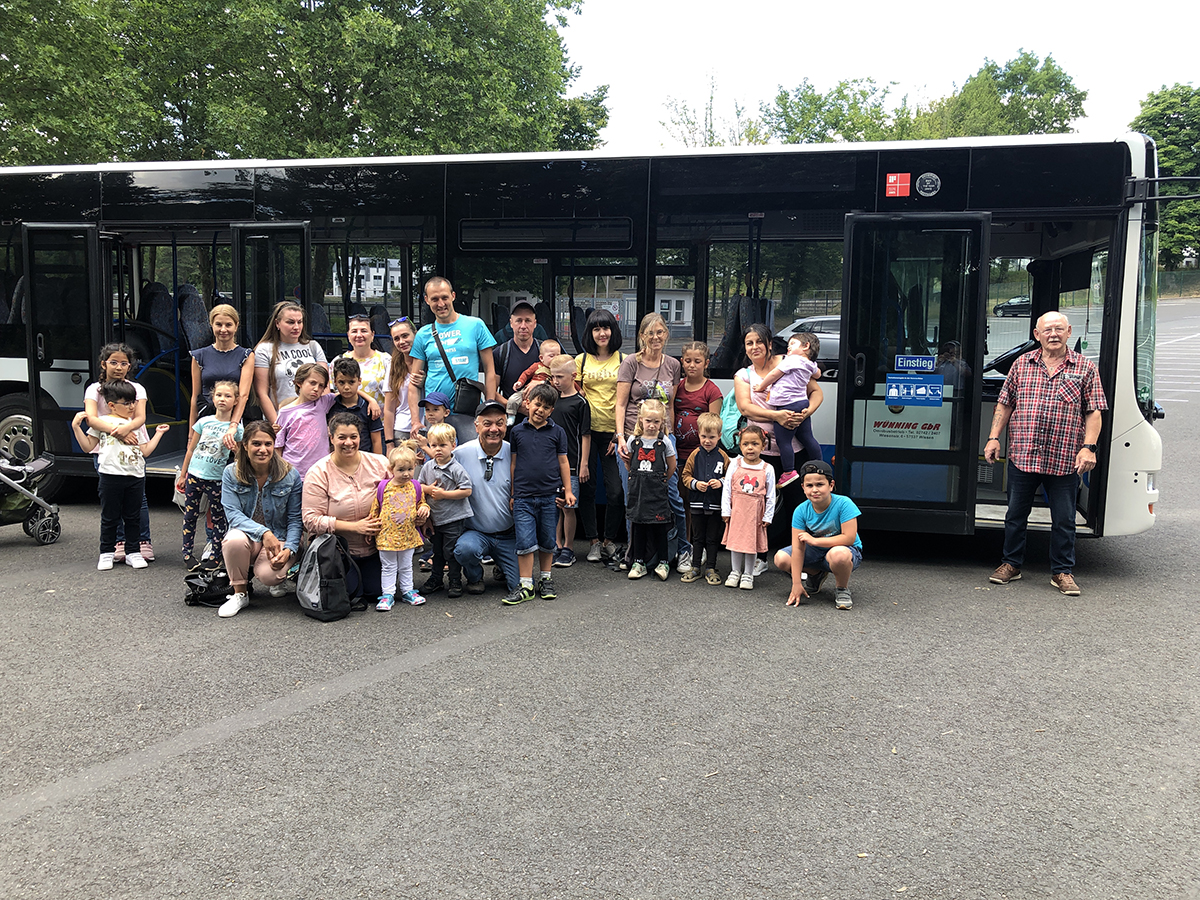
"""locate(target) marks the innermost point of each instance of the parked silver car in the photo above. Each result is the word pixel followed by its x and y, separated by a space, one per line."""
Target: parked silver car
pixel 828 330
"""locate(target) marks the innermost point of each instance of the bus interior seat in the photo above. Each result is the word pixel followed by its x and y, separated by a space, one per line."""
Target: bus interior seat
pixel 193 318
pixel 356 309
pixel 158 311
pixel 318 319
pixel 578 327
pixel 14 313
pixel 541 309
pixel 379 320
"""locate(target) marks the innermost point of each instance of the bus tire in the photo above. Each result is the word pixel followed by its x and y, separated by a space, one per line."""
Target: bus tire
pixel 16 440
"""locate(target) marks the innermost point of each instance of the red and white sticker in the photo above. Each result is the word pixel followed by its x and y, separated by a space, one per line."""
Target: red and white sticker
pixel 898 184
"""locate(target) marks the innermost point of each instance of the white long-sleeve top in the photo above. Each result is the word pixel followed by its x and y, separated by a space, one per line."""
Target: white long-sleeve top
pixel 727 489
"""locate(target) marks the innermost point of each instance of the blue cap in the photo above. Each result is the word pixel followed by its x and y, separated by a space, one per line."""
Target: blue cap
pixel 435 398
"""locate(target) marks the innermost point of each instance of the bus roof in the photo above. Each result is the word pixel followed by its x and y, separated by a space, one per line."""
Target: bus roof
pixel 1038 140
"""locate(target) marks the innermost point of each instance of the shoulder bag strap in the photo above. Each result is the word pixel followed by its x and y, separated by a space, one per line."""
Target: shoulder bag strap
pixel 442 350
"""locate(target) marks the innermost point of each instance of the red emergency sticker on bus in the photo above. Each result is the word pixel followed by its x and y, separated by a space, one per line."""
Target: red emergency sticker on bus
pixel 898 184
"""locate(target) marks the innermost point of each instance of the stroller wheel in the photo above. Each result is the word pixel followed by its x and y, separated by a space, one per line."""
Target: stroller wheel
pixel 48 529
pixel 30 522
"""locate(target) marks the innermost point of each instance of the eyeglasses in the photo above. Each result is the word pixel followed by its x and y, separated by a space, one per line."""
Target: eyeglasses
pixel 360 316
pixel 397 321
pixel 487 468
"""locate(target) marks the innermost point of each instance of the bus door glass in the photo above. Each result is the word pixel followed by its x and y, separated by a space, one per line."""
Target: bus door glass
pixel 908 386
pixel 63 313
pixel 271 265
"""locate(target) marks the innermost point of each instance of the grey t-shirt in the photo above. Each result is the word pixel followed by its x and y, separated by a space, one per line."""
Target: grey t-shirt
pixel 289 358
pixel 452 477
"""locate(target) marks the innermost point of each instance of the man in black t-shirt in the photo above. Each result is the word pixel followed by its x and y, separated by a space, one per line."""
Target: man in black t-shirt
pixel 515 356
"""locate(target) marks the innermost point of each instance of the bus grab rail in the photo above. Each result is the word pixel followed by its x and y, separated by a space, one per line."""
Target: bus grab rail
pixel 1137 190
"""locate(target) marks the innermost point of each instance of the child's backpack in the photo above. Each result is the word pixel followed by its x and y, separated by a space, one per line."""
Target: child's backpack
pixel 416 486
pixel 328 581
pixel 731 422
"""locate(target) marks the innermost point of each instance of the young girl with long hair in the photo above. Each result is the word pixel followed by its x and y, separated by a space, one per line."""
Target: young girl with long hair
pixel 397 418
pixel 116 360
pixel 286 345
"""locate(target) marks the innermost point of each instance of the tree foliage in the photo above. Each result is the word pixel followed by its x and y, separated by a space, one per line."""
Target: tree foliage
pixel 1026 95
pixel 852 110
pixel 693 128
pixel 94 80
pixel 1172 117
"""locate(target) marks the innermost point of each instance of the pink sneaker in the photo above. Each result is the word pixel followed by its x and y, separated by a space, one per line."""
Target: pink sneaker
pixel 147 551
pixel 119 552
pixel 787 478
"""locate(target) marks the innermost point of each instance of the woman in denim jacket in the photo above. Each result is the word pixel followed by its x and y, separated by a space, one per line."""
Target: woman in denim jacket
pixel 261 494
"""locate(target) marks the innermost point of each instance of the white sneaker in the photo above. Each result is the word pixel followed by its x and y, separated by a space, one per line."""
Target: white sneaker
pixel 285 587
pixel 105 563
pixel 136 560
pixel 733 580
pixel 685 562
pixel 747 583
pixel 761 567
pixel 594 553
pixel 234 605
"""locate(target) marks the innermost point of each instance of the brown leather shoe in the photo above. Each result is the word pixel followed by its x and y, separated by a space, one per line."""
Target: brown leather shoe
pixel 1004 574
pixel 1065 583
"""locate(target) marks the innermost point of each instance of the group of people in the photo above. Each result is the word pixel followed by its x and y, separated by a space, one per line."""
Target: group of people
pixel 401 457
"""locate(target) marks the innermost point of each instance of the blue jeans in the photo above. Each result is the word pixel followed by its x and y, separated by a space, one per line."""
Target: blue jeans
pixel 473 546
pixel 1061 491
pixel 677 541
pixel 535 520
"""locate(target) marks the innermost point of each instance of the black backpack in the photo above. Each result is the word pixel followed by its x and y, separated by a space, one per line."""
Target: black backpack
pixel 329 582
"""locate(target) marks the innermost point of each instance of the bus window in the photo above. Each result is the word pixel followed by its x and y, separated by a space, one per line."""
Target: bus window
pixel 480 282
pixel 615 292
pixel 798 280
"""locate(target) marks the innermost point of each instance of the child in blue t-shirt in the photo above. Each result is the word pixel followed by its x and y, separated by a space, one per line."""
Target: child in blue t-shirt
pixel 826 526
pixel 202 469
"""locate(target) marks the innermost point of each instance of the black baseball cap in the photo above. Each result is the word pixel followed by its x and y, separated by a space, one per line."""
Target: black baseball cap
pixel 522 304
pixel 489 405
pixel 815 466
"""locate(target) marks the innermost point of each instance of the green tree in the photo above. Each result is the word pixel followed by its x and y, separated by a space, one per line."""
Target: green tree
pixel 692 128
pixel 1024 96
pixel 285 79
pixel 59 72
pixel 1172 117
pixel 853 110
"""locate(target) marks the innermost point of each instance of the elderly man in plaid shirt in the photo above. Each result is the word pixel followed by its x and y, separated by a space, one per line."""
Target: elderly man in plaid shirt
pixel 1051 402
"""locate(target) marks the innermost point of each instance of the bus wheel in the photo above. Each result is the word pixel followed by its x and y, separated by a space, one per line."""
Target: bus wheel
pixel 16 440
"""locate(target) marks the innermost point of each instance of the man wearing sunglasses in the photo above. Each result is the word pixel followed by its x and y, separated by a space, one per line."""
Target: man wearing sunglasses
pixel 489 531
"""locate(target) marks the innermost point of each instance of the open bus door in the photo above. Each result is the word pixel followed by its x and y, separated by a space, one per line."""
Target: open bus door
pixel 64 327
pixel 272 263
pixel 914 290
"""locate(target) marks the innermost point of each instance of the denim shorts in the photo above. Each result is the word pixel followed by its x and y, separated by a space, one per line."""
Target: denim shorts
pixel 814 557
pixel 535 520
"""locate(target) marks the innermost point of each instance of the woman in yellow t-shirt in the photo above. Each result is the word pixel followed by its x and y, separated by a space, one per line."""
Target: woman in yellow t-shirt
pixel 597 372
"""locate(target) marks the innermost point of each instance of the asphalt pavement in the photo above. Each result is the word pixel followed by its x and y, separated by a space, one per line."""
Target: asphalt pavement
pixel 945 738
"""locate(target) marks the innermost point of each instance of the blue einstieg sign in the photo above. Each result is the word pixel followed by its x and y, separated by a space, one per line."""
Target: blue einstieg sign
pixel 915 363
pixel 914 390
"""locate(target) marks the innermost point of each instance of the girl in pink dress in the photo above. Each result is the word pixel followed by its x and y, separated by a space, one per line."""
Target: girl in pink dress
pixel 748 506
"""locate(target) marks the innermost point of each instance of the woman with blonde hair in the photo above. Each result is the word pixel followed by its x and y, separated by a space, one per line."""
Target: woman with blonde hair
pixel 286 345
pixel 650 374
pixel 222 360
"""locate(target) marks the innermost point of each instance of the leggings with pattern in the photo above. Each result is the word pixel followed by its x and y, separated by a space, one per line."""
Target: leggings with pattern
pixel 193 489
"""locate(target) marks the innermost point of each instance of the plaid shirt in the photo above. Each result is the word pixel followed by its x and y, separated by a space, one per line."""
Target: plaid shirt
pixel 1045 432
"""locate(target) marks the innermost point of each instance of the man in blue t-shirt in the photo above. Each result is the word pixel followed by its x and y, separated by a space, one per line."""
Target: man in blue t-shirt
pixel 468 345
pixel 826 526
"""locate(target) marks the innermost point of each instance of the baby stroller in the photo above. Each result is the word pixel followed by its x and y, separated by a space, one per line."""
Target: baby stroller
pixel 19 501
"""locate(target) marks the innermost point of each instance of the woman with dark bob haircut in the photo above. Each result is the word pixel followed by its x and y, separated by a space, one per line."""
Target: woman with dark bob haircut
pixel 597 370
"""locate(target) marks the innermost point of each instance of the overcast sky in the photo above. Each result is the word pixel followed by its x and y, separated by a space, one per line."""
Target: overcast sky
pixel 650 50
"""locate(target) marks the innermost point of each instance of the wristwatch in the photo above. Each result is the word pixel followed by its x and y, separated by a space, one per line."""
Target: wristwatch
pixel 1091 447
